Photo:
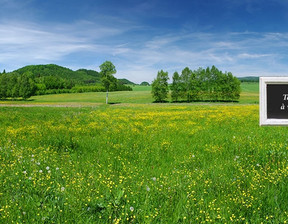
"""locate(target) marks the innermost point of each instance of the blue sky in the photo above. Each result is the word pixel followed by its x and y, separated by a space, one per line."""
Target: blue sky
pixel 141 37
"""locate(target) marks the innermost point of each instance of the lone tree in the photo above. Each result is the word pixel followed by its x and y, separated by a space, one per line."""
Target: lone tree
pixel 160 87
pixel 107 78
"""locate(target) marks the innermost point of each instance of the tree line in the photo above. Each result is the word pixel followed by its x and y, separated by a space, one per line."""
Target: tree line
pixel 13 85
pixel 208 84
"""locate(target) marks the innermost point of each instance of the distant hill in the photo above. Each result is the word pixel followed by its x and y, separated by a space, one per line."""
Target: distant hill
pixel 84 76
pixel 81 75
pixel 126 82
pixel 51 78
pixel 249 79
pixel 145 84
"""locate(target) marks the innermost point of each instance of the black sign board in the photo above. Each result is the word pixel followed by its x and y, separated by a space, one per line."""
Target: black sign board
pixel 273 101
pixel 277 101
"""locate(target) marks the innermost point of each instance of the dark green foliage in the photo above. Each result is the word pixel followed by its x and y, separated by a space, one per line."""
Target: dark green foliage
pixel 80 76
pixel 126 82
pixel 176 87
pixel 26 85
pixel 13 85
pixel 160 87
pixel 83 89
pixel 107 72
pixel 249 79
pixel 144 84
pixel 107 78
pixel 208 84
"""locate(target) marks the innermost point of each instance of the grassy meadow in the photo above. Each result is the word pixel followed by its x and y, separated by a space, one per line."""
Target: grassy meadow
pixel 137 162
pixel 140 94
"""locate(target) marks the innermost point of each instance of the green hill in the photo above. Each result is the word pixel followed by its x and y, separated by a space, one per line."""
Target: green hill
pixel 126 82
pixel 80 76
pixel 249 79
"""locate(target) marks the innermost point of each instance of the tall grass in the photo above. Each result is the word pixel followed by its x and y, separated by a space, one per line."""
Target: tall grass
pixel 141 164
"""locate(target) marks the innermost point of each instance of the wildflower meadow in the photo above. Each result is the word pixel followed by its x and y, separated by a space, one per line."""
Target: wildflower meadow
pixel 142 163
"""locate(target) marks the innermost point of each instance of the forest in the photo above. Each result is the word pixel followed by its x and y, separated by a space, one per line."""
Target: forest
pixel 51 79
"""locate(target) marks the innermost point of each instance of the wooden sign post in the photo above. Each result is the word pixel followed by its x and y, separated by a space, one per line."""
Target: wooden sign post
pixel 273 100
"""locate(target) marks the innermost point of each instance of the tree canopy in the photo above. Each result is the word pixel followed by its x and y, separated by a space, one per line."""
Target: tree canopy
pixel 160 87
pixel 208 84
pixel 107 78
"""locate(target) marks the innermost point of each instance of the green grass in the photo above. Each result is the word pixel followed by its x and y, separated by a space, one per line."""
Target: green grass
pixel 141 163
pixel 141 88
pixel 250 92
pixel 140 94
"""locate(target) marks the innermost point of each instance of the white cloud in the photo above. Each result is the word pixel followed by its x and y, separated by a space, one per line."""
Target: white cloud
pixel 32 44
pixel 139 56
pixel 253 56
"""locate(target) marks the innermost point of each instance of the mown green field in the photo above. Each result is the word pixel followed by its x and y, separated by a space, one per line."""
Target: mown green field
pixel 140 94
pixel 141 163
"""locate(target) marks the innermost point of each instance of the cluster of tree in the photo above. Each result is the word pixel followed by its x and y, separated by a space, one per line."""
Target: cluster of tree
pixel 144 83
pixel 208 84
pixel 14 85
pixel 160 88
pixel 51 79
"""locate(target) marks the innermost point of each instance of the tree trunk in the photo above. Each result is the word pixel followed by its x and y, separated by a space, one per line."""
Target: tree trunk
pixel 107 96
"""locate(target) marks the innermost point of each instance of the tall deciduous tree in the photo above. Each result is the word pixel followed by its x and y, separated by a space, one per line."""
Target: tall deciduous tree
pixel 107 78
pixel 176 87
pixel 27 85
pixel 160 86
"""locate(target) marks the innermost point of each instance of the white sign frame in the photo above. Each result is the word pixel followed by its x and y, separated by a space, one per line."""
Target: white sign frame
pixel 263 81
